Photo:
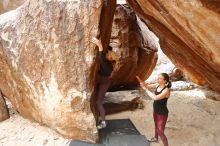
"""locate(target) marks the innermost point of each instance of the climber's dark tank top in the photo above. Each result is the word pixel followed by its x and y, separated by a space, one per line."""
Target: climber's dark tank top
pixel 160 106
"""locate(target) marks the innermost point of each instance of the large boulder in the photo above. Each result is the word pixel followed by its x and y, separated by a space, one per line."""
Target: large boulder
pixel 136 53
pixel 6 5
pixel 47 63
pixel 189 35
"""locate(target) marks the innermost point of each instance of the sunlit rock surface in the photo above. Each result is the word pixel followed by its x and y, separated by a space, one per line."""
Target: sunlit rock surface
pixel 188 33
pixel 47 63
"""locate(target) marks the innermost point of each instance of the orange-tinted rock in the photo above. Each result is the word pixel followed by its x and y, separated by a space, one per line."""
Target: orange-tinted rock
pixel 47 63
pixel 105 26
pixel 3 109
pixel 176 75
pixel 132 47
pixel 6 5
pixel 189 35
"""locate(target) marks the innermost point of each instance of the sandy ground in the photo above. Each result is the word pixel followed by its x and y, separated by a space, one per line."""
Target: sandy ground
pixel 193 121
pixel 17 131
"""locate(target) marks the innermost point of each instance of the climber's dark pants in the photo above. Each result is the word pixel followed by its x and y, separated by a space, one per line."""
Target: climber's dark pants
pixel 102 86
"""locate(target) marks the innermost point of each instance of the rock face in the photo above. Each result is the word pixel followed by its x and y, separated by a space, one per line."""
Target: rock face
pixel 3 109
pixel 47 63
pixel 137 55
pixel 189 35
pixel 6 5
